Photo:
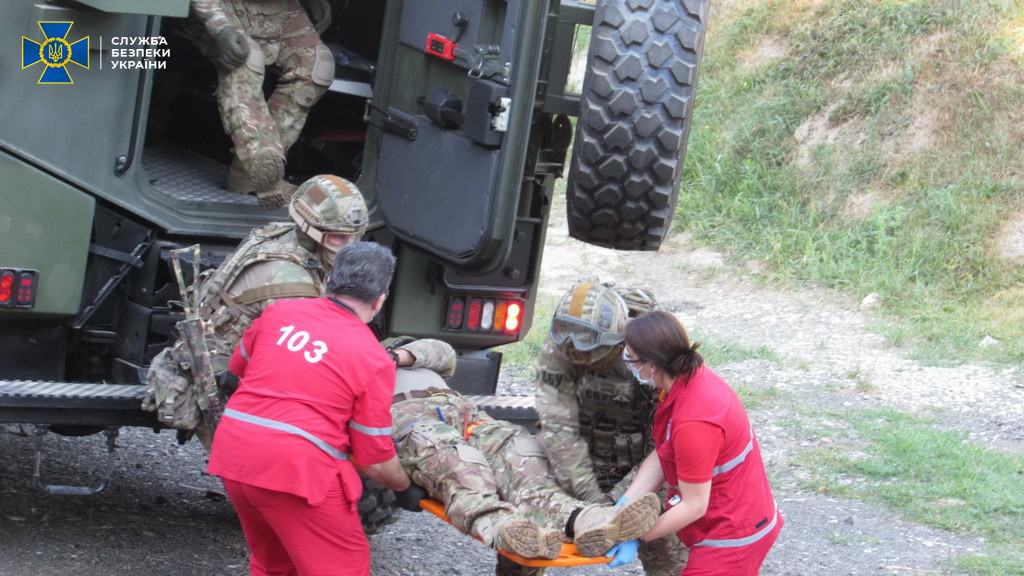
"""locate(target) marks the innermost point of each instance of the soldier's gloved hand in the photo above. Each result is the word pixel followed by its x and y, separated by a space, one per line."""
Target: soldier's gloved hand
pixel 230 49
pixel 623 553
pixel 409 499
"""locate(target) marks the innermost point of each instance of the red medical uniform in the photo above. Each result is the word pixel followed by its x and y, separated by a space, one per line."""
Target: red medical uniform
pixel 315 394
pixel 742 521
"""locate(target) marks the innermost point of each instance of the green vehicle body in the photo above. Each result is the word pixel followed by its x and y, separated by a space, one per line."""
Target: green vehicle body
pixel 84 209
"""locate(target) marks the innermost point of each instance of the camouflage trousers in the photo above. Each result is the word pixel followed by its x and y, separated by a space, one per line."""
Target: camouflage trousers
pixel 280 34
pixel 483 470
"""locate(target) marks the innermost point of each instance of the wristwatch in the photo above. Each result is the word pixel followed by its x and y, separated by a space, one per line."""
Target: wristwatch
pixel 394 356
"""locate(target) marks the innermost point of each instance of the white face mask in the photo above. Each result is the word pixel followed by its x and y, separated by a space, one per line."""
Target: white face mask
pixel 631 363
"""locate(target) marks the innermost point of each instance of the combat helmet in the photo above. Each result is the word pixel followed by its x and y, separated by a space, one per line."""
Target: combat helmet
pixel 327 205
pixel 588 322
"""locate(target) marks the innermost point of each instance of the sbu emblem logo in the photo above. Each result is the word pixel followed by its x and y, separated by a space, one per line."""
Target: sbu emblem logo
pixel 55 53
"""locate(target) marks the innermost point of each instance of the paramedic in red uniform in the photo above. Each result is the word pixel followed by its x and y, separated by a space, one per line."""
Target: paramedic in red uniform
pixel 719 500
pixel 313 405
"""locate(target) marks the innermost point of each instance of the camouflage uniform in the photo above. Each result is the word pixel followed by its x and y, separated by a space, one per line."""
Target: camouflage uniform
pixel 485 471
pixel 279 260
pixel 278 33
pixel 595 426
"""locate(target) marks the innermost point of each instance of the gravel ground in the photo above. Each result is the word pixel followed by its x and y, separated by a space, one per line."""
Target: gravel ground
pixel 162 516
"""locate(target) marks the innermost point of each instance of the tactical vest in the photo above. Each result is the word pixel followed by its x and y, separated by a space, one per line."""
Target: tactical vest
pixel 615 415
pixel 227 318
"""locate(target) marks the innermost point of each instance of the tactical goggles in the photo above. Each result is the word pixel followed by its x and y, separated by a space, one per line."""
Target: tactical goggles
pixel 584 335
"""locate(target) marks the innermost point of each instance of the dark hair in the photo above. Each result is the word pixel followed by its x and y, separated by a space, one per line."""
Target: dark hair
pixel 361 270
pixel 660 339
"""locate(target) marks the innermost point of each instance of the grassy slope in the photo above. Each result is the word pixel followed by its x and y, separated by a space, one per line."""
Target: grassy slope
pixel 873 145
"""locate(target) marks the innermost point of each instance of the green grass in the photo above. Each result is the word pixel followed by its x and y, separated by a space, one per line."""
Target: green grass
pixel 717 352
pixel 929 476
pixel 873 75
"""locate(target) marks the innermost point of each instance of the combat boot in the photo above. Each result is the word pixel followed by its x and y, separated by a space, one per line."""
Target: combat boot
pixel 525 538
pixel 598 527
pixel 266 169
pixel 277 195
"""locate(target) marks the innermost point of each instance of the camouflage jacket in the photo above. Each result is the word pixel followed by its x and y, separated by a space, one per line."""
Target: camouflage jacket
pixel 595 421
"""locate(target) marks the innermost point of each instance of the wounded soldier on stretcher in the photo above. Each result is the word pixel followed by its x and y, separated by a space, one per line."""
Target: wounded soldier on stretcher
pixel 493 477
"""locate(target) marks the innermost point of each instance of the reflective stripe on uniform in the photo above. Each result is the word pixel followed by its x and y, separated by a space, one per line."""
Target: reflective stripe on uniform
pixel 283 427
pixel 241 350
pixel 737 460
pixel 737 542
pixel 369 430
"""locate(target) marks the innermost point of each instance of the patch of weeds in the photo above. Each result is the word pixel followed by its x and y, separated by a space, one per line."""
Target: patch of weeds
pixel 861 383
pixel 719 353
pixel 756 398
pixel 1004 561
pixel 947 168
pixel 933 477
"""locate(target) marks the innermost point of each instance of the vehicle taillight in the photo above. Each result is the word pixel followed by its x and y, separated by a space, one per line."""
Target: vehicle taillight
pixel 490 315
pixel 476 307
pixel 6 288
pixel 456 308
pixel 513 320
pixel 487 316
pixel 18 288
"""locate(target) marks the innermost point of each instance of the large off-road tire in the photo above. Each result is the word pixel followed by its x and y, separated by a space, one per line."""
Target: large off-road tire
pixel 634 120
pixel 377 507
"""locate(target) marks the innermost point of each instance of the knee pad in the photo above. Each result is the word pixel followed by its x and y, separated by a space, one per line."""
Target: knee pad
pixel 323 66
pixel 256 61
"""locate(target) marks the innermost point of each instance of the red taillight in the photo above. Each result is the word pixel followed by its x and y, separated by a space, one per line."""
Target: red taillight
pixel 6 288
pixel 26 289
pixel 476 307
pixel 484 315
pixel 18 287
pixel 456 308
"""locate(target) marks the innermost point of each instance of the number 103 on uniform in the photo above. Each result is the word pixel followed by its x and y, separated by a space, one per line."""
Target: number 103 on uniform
pixel 299 342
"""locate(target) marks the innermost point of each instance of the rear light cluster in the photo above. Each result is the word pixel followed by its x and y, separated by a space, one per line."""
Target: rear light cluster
pixel 495 316
pixel 18 288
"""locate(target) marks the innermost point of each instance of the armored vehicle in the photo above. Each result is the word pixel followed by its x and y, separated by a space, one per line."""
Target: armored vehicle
pixel 453 116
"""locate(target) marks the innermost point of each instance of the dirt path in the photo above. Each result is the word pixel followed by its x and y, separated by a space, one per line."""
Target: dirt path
pixel 158 518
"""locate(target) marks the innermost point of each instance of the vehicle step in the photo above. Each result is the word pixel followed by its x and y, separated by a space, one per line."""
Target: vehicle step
pixel 73 403
pixel 29 392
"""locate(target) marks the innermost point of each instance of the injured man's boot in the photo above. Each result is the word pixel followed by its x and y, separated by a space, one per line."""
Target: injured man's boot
pixel 598 527
pixel 506 531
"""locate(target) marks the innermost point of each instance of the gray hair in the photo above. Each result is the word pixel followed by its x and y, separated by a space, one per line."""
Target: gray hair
pixel 361 270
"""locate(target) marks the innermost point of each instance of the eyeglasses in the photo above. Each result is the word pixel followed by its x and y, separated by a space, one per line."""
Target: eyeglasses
pixel 629 359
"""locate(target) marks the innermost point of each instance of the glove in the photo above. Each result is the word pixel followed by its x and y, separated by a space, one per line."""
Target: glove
pixel 409 499
pixel 623 553
pixel 230 49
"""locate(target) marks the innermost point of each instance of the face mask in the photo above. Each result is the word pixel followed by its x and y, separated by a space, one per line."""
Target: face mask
pixel 636 374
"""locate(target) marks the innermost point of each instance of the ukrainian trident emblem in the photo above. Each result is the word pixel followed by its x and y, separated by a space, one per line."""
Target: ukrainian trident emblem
pixel 55 53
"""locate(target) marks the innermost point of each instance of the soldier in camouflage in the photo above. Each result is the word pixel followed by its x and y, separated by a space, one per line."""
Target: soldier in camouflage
pixel 279 260
pixel 242 37
pixel 595 419
pixel 493 477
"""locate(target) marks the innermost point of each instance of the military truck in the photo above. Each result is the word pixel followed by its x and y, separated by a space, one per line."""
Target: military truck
pixel 453 116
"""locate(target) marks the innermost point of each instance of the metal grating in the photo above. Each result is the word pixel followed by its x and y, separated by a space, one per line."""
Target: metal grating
pixel 68 390
pixel 190 177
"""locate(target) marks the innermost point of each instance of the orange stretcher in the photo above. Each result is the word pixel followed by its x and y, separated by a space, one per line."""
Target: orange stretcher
pixel 568 558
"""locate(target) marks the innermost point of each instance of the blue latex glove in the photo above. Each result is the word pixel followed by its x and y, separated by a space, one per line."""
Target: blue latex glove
pixel 622 500
pixel 623 553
